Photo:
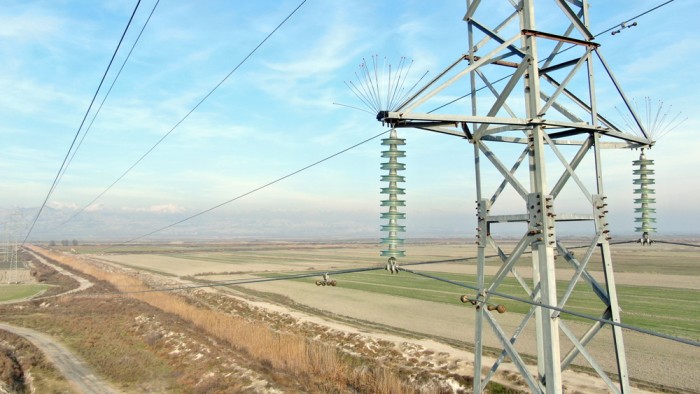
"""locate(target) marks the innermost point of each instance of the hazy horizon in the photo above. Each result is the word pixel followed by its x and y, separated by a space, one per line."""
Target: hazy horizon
pixel 276 115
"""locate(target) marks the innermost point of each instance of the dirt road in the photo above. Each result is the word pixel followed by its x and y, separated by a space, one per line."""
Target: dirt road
pixel 84 283
pixel 72 367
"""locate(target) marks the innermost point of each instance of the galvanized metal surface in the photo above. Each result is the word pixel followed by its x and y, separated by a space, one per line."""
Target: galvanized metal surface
pixel 547 110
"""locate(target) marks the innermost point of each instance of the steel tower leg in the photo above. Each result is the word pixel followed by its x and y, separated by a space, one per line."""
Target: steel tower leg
pixel 539 204
pixel 613 307
pixel 552 64
pixel 482 232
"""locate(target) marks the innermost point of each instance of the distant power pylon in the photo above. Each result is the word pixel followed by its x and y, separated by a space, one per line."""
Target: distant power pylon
pixel 6 243
pixel 11 248
pixel 532 89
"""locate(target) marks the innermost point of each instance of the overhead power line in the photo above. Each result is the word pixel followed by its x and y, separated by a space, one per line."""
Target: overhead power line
pixel 403 268
pixel 258 188
pixel 77 133
pixel 635 17
pixel 206 96
pixel 277 180
pixel 100 108
pixel 557 53
pixel 677 243
pixel 563 310
pixel 97 112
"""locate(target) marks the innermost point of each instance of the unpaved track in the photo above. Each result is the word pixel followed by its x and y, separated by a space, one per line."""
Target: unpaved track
pixel 70 366
pixel 84 283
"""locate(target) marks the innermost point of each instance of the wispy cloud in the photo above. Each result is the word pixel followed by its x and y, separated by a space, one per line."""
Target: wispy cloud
pixel 302 77
pixel 59 205
pixel 164 208
pixel 28 26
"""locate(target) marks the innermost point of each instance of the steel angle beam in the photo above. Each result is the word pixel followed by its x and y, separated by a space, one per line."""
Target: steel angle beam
pixel 516 109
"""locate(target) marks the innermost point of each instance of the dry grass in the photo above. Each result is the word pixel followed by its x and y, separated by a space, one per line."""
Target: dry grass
pixel 310 361
pixel 25 368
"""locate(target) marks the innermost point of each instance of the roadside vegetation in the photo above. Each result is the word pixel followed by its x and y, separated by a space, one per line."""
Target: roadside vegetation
pixel 282 353
pixel 24 369
pixel 282 359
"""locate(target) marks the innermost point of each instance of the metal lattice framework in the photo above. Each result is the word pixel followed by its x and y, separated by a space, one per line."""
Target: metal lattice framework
pixel 10 247
pixel 556 120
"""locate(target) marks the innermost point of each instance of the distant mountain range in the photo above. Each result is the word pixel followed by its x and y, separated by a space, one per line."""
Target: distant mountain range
pixel 60 222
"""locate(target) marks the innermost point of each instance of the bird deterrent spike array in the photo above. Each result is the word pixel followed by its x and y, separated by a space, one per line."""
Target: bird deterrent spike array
pixel 393 166
pixel 657 120
pixel 644 179
pixel 381 87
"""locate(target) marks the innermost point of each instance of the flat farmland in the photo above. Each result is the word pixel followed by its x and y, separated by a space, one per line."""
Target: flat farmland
pixel 13 292
pixel 658 287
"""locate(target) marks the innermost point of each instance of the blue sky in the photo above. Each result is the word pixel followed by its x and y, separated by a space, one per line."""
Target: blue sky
pixel 275 115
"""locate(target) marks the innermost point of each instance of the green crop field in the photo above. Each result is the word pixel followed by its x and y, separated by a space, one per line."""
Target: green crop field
pixel 670 311
pixel 17 292
pixel 645 303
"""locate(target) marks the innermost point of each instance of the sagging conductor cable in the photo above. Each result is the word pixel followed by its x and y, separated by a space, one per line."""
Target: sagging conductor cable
pixel 418 273
pixel 562 310
pixel 251 191
pixel 206 96
pixel 104 99
pixel 557 53
pixel 77 133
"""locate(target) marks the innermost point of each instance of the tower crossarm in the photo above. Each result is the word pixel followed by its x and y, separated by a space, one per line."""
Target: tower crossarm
pixel 429 121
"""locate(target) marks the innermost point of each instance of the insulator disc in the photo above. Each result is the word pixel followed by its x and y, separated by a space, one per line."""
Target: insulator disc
pixel 644 178
pixel 393 178
pixel 393 253
pixel 392 190
pixel 393 203
pixel 393 166
pixel 393 215
pixel 393 141
pixel 393 153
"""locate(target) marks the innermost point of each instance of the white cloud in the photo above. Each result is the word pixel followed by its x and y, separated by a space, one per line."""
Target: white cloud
pixel 302 77
pixel 29 26
pixel 163 208
pixel 96 207
pixel 58 205
pixel 274 115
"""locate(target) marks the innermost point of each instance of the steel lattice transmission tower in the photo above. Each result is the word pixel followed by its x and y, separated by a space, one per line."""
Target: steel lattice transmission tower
pixel 533 95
